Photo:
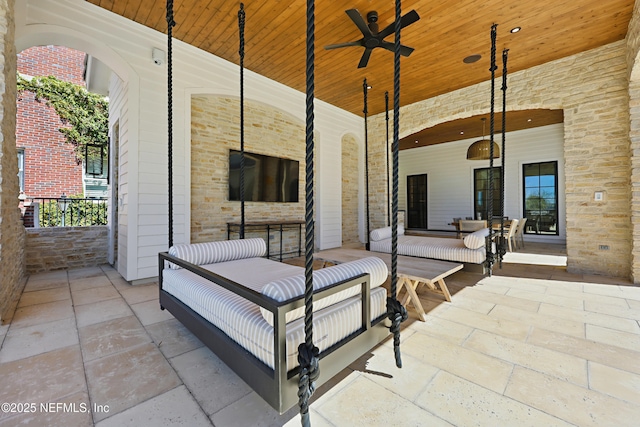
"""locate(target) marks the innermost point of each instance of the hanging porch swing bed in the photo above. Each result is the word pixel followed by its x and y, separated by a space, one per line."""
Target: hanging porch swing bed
pixel 259 316
pixel 249 310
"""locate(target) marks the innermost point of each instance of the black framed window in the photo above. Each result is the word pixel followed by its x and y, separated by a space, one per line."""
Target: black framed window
pixel 481 192
pixel 541 197
pixel 95 160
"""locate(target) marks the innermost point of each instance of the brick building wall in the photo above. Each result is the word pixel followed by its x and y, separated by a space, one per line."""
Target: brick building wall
pixel 51 167
pixel 61 62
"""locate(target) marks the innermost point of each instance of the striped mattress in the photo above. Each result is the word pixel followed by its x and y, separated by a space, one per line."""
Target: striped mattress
pixel 242 320
pixel 432 247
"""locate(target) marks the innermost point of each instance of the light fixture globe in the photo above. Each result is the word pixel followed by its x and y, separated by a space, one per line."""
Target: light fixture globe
pixel 481 150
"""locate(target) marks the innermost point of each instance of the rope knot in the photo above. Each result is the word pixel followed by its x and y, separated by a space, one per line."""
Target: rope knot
pixel 397 313
pixel 309 373
pixel 502 246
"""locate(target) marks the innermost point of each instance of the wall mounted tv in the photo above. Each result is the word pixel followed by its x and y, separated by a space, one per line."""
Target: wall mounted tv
pixel 266 178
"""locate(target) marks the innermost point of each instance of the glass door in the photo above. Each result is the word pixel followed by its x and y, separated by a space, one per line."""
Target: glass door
pixel 417 201
pixel 481 193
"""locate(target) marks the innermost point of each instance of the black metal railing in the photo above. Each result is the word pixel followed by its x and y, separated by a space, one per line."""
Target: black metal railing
pixel 64 212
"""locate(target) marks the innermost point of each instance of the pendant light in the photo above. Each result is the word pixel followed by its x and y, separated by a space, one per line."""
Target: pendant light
pixel 480 150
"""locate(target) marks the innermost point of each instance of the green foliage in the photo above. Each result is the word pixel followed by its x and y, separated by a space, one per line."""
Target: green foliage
pixel 79 213
pixel 539 202
pixel 84 114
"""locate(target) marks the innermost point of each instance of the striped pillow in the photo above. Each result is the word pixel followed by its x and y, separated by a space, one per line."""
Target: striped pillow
pixel 291 287
pixel 476 240
pixel 385 233
pixel 213 252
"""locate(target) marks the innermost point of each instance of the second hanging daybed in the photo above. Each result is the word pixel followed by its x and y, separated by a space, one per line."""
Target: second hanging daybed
pixel 470 251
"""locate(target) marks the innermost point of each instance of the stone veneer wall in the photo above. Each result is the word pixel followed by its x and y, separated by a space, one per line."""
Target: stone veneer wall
pixel 349 190
pixel 11 229
pixel 215 129
pixel 592 89
pixel 633 70
pixel 58 248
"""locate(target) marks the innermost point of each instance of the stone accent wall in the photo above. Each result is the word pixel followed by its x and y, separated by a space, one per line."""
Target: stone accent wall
pixel 592 89
pixel 633 70
pixel 58 248
pixel 11 229
pixel 349 190
pixel 634 136
pixel 215 129
pixel 633 43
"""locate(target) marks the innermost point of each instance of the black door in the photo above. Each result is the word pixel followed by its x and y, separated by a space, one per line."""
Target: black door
pixel 417 201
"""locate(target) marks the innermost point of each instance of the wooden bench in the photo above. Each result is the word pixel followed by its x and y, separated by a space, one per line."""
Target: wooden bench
pixel 413 272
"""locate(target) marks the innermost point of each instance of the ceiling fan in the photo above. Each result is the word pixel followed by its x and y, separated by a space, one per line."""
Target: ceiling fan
pixel 373 38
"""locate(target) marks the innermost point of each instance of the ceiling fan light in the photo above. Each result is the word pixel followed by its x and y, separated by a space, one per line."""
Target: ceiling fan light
pixel 480 150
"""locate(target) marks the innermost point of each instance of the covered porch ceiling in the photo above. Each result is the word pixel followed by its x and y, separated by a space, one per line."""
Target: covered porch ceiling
pixel 446 33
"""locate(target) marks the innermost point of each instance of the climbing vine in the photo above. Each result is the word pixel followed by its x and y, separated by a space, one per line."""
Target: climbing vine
pixel 85 115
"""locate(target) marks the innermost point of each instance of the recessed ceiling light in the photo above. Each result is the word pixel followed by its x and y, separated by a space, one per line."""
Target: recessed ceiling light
pixel 529 120
pixel 416 141
pixel 471 59
pixel 461 132
pixel 516 29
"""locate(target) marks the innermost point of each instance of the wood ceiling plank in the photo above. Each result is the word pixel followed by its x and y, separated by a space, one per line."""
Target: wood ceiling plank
pixel 266 41
pixel 105 4
pixel 157 19
pixel 120 6
pixel 472 127
pixel 144 11
pixel 199 18
pixel 131 10
pixel 446 33
pixel 223 26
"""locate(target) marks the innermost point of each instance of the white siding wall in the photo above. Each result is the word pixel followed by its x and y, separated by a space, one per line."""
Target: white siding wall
pixel 118 112
pixel 450 175
pixel 126 47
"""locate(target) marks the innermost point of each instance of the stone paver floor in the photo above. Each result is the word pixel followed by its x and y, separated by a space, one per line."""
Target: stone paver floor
pixel 530 346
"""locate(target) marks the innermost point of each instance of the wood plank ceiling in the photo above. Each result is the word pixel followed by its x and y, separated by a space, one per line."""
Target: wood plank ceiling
pixel 447 32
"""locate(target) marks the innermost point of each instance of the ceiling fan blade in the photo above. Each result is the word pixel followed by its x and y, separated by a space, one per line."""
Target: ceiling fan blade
pixel 407 19
pixel 359 21
pixel 365 58
pixel 404 50
pixel 339 45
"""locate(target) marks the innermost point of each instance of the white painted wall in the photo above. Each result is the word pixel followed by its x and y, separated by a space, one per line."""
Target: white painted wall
pixel 126 48
pixel 450 175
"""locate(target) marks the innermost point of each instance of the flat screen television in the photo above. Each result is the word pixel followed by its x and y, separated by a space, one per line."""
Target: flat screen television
pixel 266 178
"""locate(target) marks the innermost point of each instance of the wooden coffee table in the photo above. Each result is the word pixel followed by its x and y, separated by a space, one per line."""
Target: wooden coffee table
pixel 413 272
